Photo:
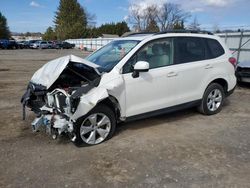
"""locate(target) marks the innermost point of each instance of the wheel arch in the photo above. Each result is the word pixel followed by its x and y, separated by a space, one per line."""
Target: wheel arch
pixel 222 82
pixel 112 103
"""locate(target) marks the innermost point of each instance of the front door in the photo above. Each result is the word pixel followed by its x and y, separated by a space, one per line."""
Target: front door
pixel 155 89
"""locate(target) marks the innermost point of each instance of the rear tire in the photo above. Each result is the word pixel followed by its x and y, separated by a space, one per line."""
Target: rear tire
pixel 212 100
pixel 95 127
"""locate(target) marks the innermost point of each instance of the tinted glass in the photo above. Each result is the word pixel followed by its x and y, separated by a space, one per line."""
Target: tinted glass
pixel 215 48
pixel 157 53
pixel 189 49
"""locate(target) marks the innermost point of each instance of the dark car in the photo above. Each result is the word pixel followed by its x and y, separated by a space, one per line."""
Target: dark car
pixel 4 43
pixel 26 44
pixel 8 44
pixel 21 44
pixel 243 72
pixel 64 45
pixel 50 44
pixel 13 44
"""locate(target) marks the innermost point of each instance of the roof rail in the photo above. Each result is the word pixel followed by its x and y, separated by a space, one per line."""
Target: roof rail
pixel 185 31
pixel 139 33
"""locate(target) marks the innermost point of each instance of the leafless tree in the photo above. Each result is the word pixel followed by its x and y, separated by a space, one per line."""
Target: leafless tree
pixel 169 14
pixel 194 25
pixel 141 18
pixel 135 17
pixel 164 16
pixel 150 15
pixel 216 28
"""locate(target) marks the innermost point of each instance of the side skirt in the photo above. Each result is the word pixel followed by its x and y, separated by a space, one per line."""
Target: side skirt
pixel 164 111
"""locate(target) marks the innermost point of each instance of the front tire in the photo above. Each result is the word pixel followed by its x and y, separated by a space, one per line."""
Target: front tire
pixel 212 100
pixel 95 127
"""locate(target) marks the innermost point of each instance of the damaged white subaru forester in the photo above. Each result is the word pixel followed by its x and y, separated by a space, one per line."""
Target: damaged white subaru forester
pixel 133 77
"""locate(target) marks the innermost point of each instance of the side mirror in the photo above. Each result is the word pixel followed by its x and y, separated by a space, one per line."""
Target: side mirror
pixel 140 66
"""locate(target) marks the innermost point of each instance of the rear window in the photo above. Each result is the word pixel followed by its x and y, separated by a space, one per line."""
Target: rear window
pixel 215 48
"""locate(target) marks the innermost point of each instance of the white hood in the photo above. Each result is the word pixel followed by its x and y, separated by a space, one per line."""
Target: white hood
pixel 49 72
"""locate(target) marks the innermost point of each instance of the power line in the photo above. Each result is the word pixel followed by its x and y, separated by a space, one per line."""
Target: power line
pixel 228 27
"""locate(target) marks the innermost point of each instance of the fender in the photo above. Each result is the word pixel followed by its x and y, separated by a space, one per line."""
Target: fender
pixel 89 101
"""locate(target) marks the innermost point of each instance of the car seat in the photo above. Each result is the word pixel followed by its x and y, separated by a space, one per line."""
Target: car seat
pixel 160 56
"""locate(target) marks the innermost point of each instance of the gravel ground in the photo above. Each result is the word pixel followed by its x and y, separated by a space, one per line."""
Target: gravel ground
pixel 182 149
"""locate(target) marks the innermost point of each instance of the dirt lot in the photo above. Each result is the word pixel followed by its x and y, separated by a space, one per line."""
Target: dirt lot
pixel 183 149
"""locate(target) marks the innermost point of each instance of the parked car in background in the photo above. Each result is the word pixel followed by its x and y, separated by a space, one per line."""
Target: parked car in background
pixel 13 44
pixel 35 45
pixel 50 44
pixel 26 45
pixel 32 42
pixel 243 72
pixel 21 44
pixel 63 45
pixel 44 45
pixel 8 44
pixel 40 45
pixel 4 43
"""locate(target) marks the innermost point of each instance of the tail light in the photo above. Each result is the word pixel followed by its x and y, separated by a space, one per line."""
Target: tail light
pixel 233 61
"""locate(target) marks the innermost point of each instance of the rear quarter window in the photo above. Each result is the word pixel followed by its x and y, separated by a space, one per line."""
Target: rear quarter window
pixel 215 48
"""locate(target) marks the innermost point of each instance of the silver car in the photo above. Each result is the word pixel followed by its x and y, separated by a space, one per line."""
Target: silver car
pixel 41 45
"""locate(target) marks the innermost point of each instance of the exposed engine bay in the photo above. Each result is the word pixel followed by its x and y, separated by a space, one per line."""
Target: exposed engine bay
pixel 55 102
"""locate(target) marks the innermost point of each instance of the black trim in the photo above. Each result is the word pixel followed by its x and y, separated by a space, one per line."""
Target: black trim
pixel 140 33
pixel 164 111
pixel 228 93
pixel 171 31
pixel 185 31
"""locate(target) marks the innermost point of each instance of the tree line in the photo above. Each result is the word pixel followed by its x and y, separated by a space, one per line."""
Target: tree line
pixel 74 21
pixel 4 29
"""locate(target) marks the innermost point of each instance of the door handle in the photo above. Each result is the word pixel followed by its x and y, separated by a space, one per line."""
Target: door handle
pixel 208 66
pixel 172 74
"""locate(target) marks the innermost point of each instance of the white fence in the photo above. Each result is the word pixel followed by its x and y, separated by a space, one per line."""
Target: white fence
pixel 239 44
pixel 90 44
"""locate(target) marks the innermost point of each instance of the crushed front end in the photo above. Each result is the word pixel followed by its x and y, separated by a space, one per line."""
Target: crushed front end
pixel 54 95
pixel 55 114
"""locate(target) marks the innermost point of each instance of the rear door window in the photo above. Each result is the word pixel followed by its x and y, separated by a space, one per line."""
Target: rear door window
pixel 189 49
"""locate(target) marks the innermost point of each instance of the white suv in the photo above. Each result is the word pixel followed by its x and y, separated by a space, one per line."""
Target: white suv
pixel 130 78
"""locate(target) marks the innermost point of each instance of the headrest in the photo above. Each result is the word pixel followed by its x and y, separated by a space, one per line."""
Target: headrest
pixel 160 49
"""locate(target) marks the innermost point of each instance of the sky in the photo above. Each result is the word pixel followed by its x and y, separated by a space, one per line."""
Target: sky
pixel 38 15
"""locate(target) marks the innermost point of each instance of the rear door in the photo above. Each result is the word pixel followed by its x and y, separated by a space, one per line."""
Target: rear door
pixel 191 59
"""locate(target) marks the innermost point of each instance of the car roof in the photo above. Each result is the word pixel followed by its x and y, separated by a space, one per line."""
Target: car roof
pixel 184 33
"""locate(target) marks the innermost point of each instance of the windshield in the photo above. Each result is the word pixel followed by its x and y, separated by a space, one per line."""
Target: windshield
pixel 108 56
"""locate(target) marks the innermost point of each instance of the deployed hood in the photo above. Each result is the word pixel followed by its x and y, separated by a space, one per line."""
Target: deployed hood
pixel 49 73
